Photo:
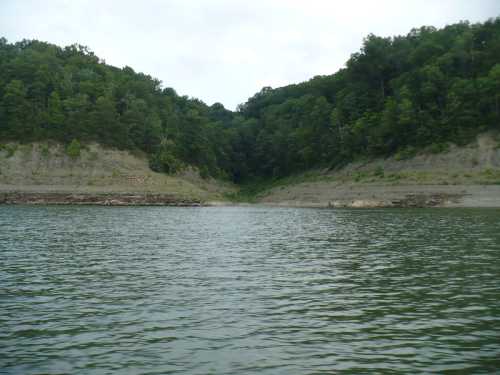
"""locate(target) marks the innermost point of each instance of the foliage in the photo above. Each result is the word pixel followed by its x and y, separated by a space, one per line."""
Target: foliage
pixel 62 94
pixel 379 172
pixel 164 160
pixel 44 150
pixel 437 148
pixel 406 153
pixel 74 148
pixel 395 95
pixel 9 149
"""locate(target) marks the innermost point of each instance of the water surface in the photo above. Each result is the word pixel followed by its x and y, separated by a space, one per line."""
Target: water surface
pixel 152 290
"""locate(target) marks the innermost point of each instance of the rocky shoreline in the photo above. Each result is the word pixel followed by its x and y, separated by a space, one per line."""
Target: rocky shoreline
pixel 409 201
pixel 312 197
pixel 104 199
pixel 328 195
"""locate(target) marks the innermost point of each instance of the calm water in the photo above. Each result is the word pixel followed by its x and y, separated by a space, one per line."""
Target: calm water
pixel 135 290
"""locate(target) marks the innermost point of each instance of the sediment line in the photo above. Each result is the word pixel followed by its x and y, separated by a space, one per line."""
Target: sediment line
pixel 104 199
pixel 409 201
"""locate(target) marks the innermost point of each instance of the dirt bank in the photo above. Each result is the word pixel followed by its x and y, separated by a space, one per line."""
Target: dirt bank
pixel 459 177
pixel 329 195
pixel 44 173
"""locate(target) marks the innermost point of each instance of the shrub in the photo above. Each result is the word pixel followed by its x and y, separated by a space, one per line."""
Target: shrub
pixel 165 161
pixel 406 153
pixel 359 176
pixel 9 149
pixel 491 173
pixel 204 172
pixel 73 149
pixel 379 172
pixel 44 150
pixel 437 148
pixel 394 176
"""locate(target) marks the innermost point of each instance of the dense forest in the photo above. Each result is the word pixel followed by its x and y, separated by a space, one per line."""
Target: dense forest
pixel 395 96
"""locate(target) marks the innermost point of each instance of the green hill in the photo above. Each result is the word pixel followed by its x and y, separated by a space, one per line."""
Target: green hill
pixel 395 97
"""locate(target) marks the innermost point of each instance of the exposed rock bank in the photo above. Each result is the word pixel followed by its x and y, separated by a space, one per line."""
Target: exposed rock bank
pixel 370 196
pixel 467 176
pixel 96 199
pixel 43 173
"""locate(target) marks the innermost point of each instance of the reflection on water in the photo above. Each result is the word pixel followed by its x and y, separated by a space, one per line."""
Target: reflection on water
pixel 100 290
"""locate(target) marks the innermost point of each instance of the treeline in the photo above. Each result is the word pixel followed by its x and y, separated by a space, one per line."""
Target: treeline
pixel 396 95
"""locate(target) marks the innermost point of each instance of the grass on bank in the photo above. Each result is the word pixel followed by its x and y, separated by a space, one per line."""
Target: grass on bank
pixel 250 192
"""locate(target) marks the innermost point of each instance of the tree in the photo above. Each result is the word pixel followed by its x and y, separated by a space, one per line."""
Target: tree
pixel 399 93
pixel 106 123
pixel 55 116
pixel 16 111
pixel 73 149
pixel 78 118
pixel 494 82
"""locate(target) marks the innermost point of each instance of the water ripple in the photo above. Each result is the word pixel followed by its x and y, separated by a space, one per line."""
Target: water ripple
pixel 131 290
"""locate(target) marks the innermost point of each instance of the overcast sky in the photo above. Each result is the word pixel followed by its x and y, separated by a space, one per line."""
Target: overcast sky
pixel 226 50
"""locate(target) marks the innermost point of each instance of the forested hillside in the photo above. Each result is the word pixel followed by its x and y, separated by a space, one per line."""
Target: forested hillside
pixel 396 95
pixel 66 94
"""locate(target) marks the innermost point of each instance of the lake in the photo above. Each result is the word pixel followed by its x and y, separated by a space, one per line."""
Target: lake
pixel 248 290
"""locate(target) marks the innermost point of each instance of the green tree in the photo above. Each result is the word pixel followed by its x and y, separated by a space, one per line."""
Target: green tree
pixel 55 118
pixel 74 148
pixel 16 111
pixel 106 123
pixel 77 111
pixel 494 81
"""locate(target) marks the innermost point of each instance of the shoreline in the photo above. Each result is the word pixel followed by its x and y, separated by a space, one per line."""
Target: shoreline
pixel 97 199
pixel 385 196
pixel 355 196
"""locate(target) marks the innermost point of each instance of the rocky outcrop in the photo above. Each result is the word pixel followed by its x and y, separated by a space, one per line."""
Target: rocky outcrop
pixel 96 199
pixel 409 201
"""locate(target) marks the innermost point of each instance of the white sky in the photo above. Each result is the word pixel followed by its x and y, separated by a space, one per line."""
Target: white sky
pixel 226 50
